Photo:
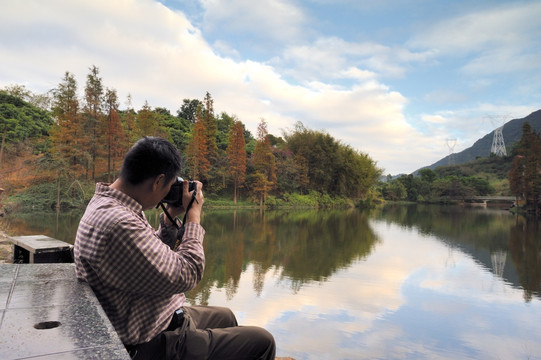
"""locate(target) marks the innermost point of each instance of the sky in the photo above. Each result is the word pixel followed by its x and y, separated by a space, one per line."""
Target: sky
pixel 404 81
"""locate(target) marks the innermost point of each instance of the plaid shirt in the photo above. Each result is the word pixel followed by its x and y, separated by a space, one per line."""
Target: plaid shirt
pixel 137 278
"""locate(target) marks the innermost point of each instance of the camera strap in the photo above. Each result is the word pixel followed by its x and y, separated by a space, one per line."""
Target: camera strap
pixel 169 216
pixel 180 228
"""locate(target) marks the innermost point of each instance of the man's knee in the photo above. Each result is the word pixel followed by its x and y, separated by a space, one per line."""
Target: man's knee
pixel 228 316
pixel 263 340
pixel 212 316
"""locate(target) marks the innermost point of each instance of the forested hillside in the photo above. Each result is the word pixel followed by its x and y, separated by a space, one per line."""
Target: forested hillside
pixel 57 145
pixel 516 174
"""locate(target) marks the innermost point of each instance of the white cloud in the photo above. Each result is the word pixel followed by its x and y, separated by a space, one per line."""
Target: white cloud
pixel 513 24
pixel 327 57
pixel 501 39
pixel 273 20
pixel 434 119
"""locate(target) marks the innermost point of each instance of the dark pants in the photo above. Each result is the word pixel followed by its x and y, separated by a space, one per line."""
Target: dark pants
pixel 208 332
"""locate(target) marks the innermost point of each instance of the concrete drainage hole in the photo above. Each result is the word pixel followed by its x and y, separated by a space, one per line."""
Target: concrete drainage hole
pixel 47 325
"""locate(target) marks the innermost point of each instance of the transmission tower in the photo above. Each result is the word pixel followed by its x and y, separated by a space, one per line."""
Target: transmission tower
pixel 451 143
pixel 498 145
pixel 498 259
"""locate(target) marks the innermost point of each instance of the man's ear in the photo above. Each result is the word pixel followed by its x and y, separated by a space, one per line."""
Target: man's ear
pixel 159 182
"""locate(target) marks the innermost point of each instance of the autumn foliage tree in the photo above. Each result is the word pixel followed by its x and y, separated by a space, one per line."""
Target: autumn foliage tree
pixel 67 148
pixel 236 155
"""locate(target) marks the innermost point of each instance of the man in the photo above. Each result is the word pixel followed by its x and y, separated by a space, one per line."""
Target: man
pixel 140 278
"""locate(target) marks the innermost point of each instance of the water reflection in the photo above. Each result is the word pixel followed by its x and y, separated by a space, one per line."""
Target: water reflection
pixel 488 235
pixel 402 282
pixel 305 246
pixel 58 226
pixel 525 248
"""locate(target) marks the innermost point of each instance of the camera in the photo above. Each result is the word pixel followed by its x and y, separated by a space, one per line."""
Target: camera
pixel 174 196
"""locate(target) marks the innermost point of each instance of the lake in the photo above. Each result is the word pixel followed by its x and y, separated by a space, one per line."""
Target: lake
pixel 401 282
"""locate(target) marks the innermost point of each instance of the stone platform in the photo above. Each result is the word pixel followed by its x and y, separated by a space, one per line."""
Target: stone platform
pixel 46 313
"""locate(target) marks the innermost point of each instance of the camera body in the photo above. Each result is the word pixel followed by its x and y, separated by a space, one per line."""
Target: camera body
pixel 174 196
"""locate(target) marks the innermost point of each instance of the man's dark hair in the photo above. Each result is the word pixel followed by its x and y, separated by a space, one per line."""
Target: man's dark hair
pixel 150 157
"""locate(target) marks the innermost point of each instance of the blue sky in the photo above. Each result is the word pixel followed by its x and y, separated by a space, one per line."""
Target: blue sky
pixel 393 79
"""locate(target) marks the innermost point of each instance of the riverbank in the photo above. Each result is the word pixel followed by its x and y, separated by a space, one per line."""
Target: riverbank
pixel 6 249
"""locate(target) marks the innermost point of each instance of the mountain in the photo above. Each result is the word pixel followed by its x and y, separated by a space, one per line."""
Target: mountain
pixel 512 132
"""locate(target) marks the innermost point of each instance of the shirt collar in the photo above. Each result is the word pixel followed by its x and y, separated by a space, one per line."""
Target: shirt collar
pixel 103 189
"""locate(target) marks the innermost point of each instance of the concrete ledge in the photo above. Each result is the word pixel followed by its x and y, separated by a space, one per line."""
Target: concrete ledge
pixel 46 313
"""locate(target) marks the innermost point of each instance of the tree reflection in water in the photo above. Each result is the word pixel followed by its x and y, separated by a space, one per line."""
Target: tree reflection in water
pixel 307 246
pixel 489 235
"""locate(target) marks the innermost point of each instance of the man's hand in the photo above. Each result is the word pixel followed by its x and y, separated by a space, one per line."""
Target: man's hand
pixel 194 213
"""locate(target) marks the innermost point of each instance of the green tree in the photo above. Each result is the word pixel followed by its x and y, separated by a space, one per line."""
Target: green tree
pixel 264 163
pixel 331 167
pixel 210 127
pixel 22 126
pixel 525 173
pixel 197 151
pixel 151 122
pixel 179 130
pixel 114 133
pixel 188 110
pixel 128 119
pixel 236 155
pixel 395 191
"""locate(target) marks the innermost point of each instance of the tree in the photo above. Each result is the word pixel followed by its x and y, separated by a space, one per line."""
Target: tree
pixel 145 121
pixel 188 110
pixel 128 119
pixel 197 151
pixel 67 148
pixel 42 101
pixel 236 155
pixel 287 171
pixel 428 175
pixel 301 165
pixel 210 128
pixel 93 114
pixel 24 130
pixel 20 120
pixel 395 190
pixel 264 163
pixel 525 173
pixel 114 134
pixel 331 167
